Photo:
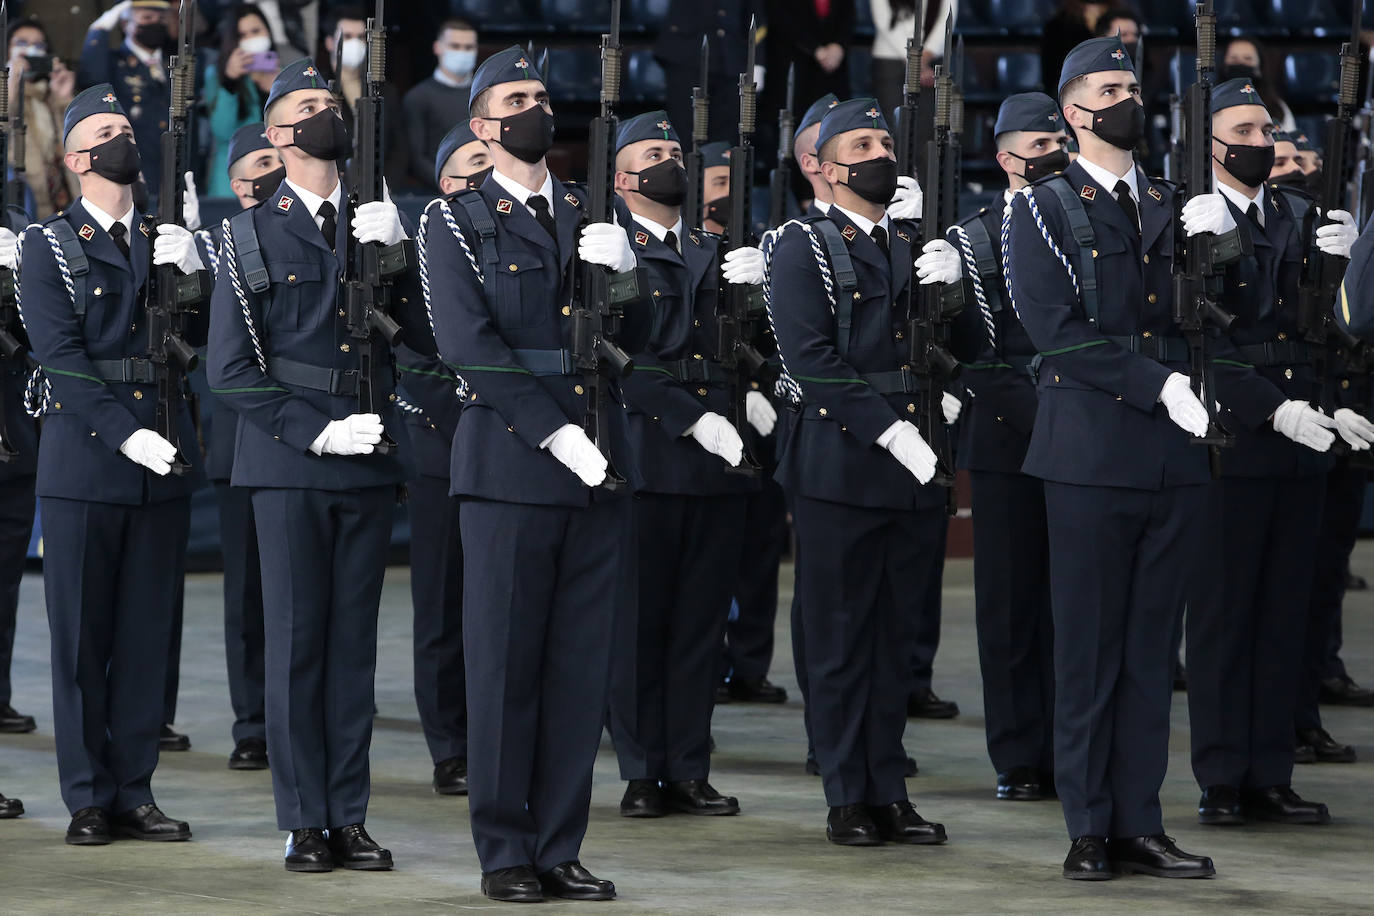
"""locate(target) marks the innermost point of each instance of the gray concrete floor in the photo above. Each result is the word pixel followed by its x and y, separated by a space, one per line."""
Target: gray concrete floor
pixel 1002 857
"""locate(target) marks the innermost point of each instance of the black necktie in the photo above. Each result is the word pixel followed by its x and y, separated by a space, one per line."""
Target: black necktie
pixel 1123 197
pixel 540 205
pixel 671 241
pixel 118 233
pixel 880 237
pixel 329 227
pixel 1253 212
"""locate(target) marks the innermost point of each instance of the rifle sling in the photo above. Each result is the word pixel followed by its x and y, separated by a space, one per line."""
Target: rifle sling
pixel 847 281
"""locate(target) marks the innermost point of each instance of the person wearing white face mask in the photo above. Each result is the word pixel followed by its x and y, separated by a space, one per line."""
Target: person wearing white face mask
pixel 237 83
pixel 343 57
pixel 434 105
pixel 46 95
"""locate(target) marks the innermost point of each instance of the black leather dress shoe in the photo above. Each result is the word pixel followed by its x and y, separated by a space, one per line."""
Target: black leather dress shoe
pixel 353 848
pixel 1340 691
pixel 89 827
pixel 1158 856
pixel 249 754
pixel 451 776
pixel 851 825
pixel 1220 806
pixel 926 705
pixel 1324 747
pixel 308 851
pixel 1282 805
pixel 15 723
pixel 1304 753
pixel 571 881
pixel 10 807
pixel 147 822
pixel 513 885
pixel 1087 860
pixel 696 796
pixel 899 823
pixel 169 740
pixel 755 690
pixel 1019 784
pixel 643 798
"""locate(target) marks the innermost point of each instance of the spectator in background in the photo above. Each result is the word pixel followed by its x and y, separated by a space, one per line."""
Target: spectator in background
pixel 815 35
pixel 46 94
pixel 439 102
pixel 1124 22
pixel 237 84
pixel 1244 59
pixel 1072 23
pixel 344 40
pixel 678 51
pixel 894 24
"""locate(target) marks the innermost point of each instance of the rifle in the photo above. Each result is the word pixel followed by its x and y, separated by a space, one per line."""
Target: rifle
pixel 692 204
pixel 780 182
pixel 953 174
pixel 12 346
pixel 907 141
pixel 171 296
pixel 599 298
pixel 1199 261
pixel 370 270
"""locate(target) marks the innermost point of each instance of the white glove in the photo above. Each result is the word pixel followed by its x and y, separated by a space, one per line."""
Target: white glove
pixel 147 448
pixel 176 245
pixel 1184 408
pixel 355 434
pixel 1305 426
pixel 760 413
pixel 952 407
pixel 760 71
pixel 939 263
pixel 908 202
pixel 190 204
pixel 577 453
pixel 1207 213
pixel 718 436
pixel 607 245
pixel 1354 428
pixel 904 441
pixel 110 18
pixel 378 221
pixel 9 249
pixel 1336 238
pixel 743 266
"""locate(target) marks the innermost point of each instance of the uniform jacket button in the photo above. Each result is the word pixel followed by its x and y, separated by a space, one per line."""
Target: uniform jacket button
pixel 138 395
pixel 822 412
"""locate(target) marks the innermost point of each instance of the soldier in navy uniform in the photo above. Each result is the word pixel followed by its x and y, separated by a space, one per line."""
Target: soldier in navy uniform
pixel 545 558
pixel 856 470
pixel 432 404
pixel 136 68
pixel 689 510
pixel 1010 543
pixel 115 520
pixel 322 491
pixel 1246 631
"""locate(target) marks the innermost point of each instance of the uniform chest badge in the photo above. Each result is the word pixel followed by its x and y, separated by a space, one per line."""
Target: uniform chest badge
pixel 849 232
pixel 86 232
pixel 641 238
pixel 695 241
pixel 503 206
pixel 143 227
pixel 1088 192
pixel 572 199
pixel 1154 193
pixel 284 204
pixel 903 236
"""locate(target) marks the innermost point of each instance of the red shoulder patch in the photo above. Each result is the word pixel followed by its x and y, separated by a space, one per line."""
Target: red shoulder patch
pixel 849 232
pixel 284 205
pixel 1088 192
pixel 86 232
pixel 503 206
pixel 641 238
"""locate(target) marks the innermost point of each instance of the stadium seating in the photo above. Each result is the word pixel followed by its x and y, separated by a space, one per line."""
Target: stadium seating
pixel 497 15
pixel 575 74
pixel 1311 77
pixel 645 80
pixel 576 15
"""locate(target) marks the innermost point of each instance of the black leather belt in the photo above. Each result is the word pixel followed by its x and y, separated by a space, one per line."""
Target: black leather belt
pixel 1159 349
pixel 1277 353
pixel 897 381
pixel 136 370
pixel 546 362
pixel 342 382
pixel 697 370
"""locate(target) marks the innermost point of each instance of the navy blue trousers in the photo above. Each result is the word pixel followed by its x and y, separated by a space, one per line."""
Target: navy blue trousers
pixel 927 640
pixel 243 612
pixel 110 574
pixel 749 637
pixel 542 586
pixel 1120 563
pixel 16 527
pixel 323 558
pixel 436 592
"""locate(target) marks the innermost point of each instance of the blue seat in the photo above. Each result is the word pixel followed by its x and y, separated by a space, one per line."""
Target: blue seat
pixel 1018 71
pixel 1237 17
pixel 645 80
pixel 1311 17
pixel 574 74
pixel 1311 76
pixel 497 15
pixel 975 19
pixel 647 15
pixel 576 15
pixel 1020 17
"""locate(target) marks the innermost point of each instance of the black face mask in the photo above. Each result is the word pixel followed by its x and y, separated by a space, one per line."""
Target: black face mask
pixel 665 183
pixel 718 210
pixel 469 182
pixel 1240 72
pixel 1040 166
pixel 323 135
pixel 116 159
pixel 1122 125
pixel 1314 182
pixel 528 135
pixel 875 180
pixel 151 35
pixel 264 186
pixel 1293 179
pixel 1250 165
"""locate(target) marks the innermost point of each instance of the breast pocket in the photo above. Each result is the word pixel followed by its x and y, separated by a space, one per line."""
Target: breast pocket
pixel 295 294
pixel 108 316
pixel 523 297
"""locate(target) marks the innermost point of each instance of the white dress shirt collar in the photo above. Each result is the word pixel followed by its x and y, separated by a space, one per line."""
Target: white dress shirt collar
pixel 658 230
pixel 1108 181
pixel 105 220
pixel 864 223
pixel 1242 200
pixel 312 200
pixel 523 194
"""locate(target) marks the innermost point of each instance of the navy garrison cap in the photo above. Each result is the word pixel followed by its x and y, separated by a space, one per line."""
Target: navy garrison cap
pixel 453 141
pixel 1032 111
pixel 653 125
pixel 95 100
pixel 301 74
pixel 508 66
pixel 717 152
pixel 817 111
pixel 1283 136
pixel 1231 93
pixel 855 114
pixel 1094 56
pixel 1304 143
pixel 247 139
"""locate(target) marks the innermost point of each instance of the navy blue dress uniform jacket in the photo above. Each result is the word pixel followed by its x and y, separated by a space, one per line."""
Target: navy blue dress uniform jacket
pixel 430 387
pixel 140 93
pixel 299 318
pixel 832 452
pixel 89 418
pixel 496 453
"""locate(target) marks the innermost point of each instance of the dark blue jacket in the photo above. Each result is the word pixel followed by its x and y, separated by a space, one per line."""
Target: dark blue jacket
pixel 21 432
pixel 142 95
pixel 90 418
pixel 429 390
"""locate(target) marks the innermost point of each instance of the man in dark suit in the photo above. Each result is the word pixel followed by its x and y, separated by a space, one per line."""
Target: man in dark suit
pixel 814 36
